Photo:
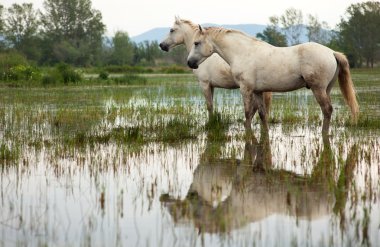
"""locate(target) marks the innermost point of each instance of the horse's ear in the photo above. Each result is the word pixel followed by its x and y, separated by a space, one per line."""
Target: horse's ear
pixel 200 29
pixel 177 19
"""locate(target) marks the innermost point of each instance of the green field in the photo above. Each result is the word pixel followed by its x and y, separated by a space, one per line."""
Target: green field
pixel 139 163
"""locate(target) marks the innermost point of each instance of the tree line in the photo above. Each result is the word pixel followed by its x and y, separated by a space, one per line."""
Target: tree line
pixel 357 34
pixel 71 31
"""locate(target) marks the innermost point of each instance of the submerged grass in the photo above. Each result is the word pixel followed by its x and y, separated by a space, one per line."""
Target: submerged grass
pixel 88 130
pixel 171 112
pixel 169 108
pixel 119 135
pixel 177 130
pixel 8 155
pixel 365 122
pixel 217 126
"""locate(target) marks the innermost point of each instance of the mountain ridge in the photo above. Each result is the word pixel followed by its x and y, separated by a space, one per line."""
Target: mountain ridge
pixel 159 33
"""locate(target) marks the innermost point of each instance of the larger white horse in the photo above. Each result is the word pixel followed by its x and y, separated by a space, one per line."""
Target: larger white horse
pixel 213 73
pixel 259 67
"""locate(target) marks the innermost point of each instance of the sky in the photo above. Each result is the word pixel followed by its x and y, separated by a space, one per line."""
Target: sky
pixel 138 16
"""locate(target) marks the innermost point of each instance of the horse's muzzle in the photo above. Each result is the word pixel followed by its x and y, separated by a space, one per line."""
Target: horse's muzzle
pixel 164 47
pixel 192 64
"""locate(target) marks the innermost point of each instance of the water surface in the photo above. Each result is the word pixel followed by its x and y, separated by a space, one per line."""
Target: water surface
pixel 139 166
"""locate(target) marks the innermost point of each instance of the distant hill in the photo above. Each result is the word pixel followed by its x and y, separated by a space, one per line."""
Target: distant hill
pixel 160 32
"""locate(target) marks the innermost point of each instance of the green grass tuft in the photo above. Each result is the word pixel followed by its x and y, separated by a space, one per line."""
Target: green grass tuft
pixel 8 155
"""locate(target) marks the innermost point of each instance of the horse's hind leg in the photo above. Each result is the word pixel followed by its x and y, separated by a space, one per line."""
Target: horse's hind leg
pixel 324 101
pixel 259 101
pixel 250 106
pixel 267 102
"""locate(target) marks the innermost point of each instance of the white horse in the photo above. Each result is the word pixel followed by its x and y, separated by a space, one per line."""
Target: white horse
pixel 259 67
pixel 213 73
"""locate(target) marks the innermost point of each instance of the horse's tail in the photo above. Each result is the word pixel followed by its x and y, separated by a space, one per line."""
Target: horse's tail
pixel 346 85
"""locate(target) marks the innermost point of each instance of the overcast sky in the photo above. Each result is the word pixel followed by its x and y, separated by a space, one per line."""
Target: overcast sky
pixel 138 16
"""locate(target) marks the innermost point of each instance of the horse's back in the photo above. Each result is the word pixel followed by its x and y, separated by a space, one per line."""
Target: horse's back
pixel 314 52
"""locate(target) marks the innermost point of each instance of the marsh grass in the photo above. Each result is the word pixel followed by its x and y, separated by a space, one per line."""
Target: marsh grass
pixel 365 121
pixel 217 126
pixel 130 79
pixel 76 114
pixel 302 110
pixel 118 135
pixel 91 142
pixel 140 124
pixel 177 130
pixel 8 155
pixel 217 121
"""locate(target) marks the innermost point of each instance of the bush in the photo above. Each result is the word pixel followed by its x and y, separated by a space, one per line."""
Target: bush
pixel 103 75
pixel 11 59
pixel 62 73
pixel 174 69
pixel 49 79
pixel 68 74
pixel 130 79
pixel 15 67
pixel 22 72
pixel 128 69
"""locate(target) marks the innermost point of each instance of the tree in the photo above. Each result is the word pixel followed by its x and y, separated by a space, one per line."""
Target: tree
pixel 123 51
pixel 72 26
pixel 291 23
pixel 1 26
pixel 1 18
pixel 146 53
pixel 337 44
pixel 360 31
pixel 317 31
pixel 272 35
pixel 178 55
pixel 21 28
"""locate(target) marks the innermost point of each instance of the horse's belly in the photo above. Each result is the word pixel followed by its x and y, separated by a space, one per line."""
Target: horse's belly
pixel 280 85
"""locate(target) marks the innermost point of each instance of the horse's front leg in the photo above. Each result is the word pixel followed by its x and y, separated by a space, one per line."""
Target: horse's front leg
pixel 250 105
pixel 208 92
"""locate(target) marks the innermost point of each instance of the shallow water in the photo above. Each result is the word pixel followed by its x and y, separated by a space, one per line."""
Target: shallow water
pixel 66 186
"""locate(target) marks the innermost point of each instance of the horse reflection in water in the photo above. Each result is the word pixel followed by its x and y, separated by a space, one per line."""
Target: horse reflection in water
pixel 227 194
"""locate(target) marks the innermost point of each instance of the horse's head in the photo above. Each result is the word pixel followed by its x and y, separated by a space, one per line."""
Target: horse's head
pixel 202 48
pixel 175 36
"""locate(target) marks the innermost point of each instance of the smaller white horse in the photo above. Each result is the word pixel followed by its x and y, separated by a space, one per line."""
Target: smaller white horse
pixel 259 67
pixel 213 73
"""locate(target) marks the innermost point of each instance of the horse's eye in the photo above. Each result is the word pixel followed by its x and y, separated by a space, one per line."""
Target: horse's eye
pixel 196 43
pixel 172 30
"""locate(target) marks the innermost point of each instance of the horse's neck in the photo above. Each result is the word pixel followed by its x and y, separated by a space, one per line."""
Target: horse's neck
pixel 188 37
pixel 233 47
